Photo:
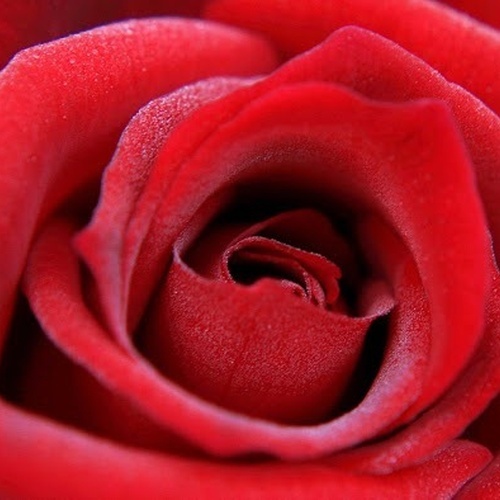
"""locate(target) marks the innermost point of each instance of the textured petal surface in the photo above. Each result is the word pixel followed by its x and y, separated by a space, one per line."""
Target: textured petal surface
pixel 485 486
pixel 487 11
pixel 30 22
pixel 266 122
pixel 124 182
pixel 70 464
pixel 480 382
pixel 424 28
pixel 103 77
pixel 287 287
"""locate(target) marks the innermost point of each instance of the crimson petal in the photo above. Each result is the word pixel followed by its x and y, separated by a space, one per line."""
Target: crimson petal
pixel 74 124
pixel 331 115
pixel 425 28
pixel 114 470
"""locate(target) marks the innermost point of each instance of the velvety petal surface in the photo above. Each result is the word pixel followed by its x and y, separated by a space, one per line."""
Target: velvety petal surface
pixel 485 486
pixel 69 463
pixel 266 121
pixel 58 136
pixel 425 28
pixel 193 330
pixel 479 383
pixel 487 11
pixel 27 23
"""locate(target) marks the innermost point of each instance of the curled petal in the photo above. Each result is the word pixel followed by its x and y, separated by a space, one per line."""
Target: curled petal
pixel 487 11
pixel 31 22
pixel 57 137
pixel 423 27
pixel 114 470
pixel 401 144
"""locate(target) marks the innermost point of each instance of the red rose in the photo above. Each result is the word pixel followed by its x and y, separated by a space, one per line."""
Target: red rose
pixel 222 284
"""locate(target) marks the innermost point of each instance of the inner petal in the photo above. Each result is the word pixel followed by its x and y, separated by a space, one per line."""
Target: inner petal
pixel 255 258
pixel 209 336
pixel 300 249
pixel 206 331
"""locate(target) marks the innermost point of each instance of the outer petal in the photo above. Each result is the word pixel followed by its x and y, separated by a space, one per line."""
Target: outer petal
pixel 68 464
pixel 487 11
pixel 64 104
pixel 124 181
pixel 434 33
pixel 30 22
pixel 479 383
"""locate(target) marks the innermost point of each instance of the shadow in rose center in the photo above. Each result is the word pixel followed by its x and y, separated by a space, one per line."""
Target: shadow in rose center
pixel 288 254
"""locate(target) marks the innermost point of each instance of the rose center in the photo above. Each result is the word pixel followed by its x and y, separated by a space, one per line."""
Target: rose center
pixel 252 316
pixel 304 274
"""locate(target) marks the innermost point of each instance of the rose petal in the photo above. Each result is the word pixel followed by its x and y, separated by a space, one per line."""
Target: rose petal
pixel 485 486
pixel 426 29
pixel 56 137
pixel 396 74
pixel 467 398
pixel 487 11
pixel 102 242
pixel 410 322
pixel 257 350
pixel 38 377
pixel 381 70
pixel 30 22
pixel 263 126
pixel 69 463
pixel 54 289
pixel 356 58
pixel 263 120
